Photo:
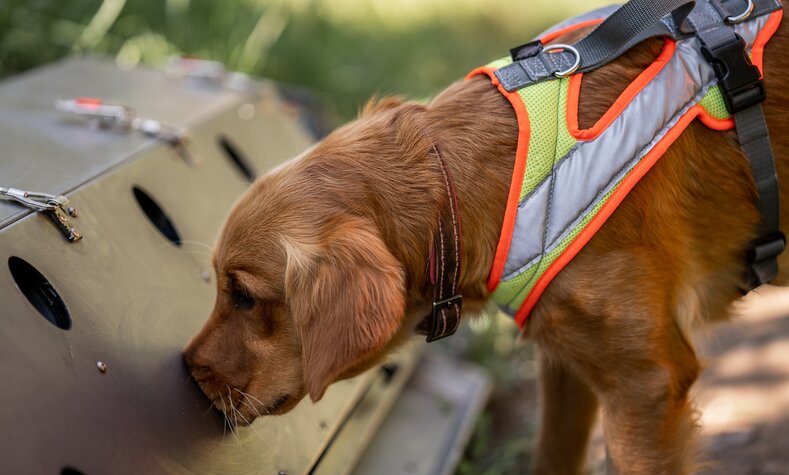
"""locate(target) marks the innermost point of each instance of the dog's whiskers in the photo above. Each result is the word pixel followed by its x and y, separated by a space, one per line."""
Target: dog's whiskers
pixel 252 397
pixel 244 397
pixel 249 424
pixel 234 423
pixel 224 418
pixel 199 244
pixel 230 423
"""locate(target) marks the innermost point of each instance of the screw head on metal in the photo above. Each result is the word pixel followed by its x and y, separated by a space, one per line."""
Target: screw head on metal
pixel 72 211
pixel 102 366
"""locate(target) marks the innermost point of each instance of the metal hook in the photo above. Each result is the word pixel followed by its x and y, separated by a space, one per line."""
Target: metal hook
pixel 34 199
pixel 742 16
pixel 562 47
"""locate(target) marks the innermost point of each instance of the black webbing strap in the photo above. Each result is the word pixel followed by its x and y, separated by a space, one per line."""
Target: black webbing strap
pixel 754 141
pixel 743 90
pixel 634 22
pixel 631 24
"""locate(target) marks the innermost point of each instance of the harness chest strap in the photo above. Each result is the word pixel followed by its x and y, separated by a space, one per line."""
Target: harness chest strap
pixel 743 90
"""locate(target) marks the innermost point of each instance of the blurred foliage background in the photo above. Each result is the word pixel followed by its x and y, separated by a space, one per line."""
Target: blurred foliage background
pixel 344 51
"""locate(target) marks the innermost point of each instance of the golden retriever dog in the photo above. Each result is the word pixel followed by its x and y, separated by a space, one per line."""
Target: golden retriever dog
pixel 322 266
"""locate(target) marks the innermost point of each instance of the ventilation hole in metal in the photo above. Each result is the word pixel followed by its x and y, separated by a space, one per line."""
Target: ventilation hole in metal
pixel 237 158
pixel 70 471
pixel 39 292
pixel 157 216
pixel 388 371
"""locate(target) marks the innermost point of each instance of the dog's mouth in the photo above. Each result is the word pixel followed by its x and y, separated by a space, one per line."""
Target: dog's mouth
pixel 244 412
pixel 240 408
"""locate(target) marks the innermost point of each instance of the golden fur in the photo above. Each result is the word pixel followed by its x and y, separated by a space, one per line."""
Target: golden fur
pixel 321 266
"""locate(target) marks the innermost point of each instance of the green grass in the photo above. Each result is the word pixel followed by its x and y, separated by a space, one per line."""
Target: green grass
pixel 345 50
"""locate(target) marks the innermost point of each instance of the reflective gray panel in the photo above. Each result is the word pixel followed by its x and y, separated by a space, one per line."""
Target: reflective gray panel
pixel 592 169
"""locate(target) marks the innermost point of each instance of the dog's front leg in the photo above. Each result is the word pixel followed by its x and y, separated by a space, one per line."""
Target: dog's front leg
pixel 628 348
pixel 569 408
pixel 648 421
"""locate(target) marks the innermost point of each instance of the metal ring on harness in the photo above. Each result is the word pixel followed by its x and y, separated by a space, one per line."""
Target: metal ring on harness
pixel 742 16
pixel 562 47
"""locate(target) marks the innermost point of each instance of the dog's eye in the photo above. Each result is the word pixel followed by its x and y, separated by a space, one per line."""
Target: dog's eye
pixel 242 301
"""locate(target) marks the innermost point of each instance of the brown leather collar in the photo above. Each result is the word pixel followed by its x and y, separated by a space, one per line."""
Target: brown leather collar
pixel 444 265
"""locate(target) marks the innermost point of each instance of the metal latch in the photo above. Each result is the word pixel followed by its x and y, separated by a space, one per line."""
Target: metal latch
pixel 213 73
pixel 115 116
pixel 54 206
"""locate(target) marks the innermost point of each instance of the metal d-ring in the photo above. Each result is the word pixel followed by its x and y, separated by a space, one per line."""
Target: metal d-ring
pixel 742 16
pixel 562 47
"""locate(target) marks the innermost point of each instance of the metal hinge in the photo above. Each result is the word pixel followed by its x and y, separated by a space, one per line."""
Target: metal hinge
pixel 54 206
pixel 105 115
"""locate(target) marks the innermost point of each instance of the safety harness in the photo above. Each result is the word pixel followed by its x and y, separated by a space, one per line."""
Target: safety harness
pixel 567 181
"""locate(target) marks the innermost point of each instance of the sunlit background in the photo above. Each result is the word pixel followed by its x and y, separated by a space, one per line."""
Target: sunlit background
pixel 345 51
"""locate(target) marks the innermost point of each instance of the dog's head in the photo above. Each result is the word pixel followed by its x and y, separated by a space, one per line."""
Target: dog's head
pixel 307 291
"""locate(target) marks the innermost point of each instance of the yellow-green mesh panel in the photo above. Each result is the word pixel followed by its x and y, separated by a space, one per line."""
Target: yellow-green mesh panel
pixel 713 103
pixel 549 140
pixel 500 63
pixel 513 292
pixel 546 103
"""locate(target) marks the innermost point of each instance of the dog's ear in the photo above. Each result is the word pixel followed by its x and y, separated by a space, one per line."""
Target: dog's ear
pixel 347 300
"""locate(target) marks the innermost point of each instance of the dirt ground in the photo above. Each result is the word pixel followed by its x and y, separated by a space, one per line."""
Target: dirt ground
pixel 743 397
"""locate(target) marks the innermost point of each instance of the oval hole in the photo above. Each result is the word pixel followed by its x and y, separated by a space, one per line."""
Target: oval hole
pixel 70 471
pixel 237 158
pixel 39 292
pixel 157 216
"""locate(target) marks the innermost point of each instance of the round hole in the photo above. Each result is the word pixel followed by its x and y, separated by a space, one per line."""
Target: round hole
pixel 70 471
pixel 39 292
pixel 237 158
pixel 157 216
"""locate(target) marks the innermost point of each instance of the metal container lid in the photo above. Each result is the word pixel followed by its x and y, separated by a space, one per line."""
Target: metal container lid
pixel 46 150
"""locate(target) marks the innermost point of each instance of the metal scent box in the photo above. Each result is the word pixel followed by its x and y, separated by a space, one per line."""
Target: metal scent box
pixel 92 323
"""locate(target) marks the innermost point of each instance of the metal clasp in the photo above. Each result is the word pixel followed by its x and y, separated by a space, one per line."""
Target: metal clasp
pixel 742 16
pixel 557 48
pixel 106 115
pixel 444 324
pixel 213 73
pixel 54 206
pixel 98 112
pixel 34 199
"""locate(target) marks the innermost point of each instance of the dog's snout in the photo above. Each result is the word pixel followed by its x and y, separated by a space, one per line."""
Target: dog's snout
pixel 192 358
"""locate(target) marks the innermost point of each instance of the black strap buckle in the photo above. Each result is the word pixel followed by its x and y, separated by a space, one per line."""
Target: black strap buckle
pixel 739 79
pixel 527 50
pixel 762 262
pixel 445 318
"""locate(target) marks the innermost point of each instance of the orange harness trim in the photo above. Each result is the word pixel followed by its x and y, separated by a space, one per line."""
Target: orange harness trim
pixel 629 182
